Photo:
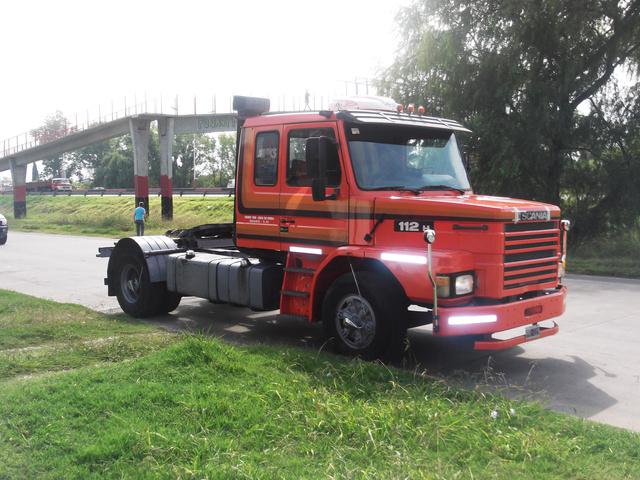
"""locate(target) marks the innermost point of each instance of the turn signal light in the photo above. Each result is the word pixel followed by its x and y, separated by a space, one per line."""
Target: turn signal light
pixel 443 285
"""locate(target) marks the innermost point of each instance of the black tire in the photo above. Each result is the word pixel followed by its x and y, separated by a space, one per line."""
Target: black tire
pixel 384 336
pixel 3 240
pixel 136 295
pixel 169 302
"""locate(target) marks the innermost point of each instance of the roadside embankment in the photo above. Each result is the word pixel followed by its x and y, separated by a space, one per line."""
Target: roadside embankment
pixel 112 216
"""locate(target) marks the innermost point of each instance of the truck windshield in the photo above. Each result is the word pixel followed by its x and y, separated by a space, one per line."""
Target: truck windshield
pixel 405 158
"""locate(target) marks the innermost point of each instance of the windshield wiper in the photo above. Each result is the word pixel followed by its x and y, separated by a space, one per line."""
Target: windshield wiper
pixel 462 191
pixel 402 188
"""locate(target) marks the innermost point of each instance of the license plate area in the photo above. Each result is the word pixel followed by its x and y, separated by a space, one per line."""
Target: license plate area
pixel 532 331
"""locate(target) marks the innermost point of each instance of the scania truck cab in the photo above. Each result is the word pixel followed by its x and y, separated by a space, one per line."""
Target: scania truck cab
pixel 361 217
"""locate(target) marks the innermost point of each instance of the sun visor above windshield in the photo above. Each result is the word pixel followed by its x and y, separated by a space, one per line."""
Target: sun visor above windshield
pixel 392 118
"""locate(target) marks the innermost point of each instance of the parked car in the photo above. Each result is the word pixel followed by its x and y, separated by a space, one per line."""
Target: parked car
pixel 4 229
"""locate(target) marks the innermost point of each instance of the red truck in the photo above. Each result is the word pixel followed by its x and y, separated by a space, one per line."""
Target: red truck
pixel 363 219
pixel 51 185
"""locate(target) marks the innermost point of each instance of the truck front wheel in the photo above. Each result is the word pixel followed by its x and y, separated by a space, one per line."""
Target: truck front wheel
pixel 368 319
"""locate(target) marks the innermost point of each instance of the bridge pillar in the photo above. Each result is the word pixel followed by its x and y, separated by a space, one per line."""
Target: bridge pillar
pixel 140 134
pixel 165 132
pixel 19 178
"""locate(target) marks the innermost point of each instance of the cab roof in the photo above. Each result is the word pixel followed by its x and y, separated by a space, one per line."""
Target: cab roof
pixel 377 117
pixel 395 118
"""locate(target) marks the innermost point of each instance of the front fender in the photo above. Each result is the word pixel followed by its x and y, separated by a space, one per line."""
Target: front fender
pixel 407 266
pixel 410 268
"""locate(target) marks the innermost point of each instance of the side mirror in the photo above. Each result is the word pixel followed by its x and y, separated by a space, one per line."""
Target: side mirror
pixel 318 190
pixel 318 152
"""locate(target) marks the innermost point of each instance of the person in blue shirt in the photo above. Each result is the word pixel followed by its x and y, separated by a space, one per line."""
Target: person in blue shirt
pixel 139 214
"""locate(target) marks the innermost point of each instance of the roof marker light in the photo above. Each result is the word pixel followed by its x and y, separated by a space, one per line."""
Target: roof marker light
pixel 404 258
pixel 411 108
pixel 399 108
pixel 420 110
pixel 309 250
pixel 471 319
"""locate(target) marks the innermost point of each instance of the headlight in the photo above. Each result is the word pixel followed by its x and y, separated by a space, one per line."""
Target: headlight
pixel 454 285
pixel 464 284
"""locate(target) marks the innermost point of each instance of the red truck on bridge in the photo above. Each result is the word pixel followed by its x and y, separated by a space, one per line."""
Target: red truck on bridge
pixel 353 217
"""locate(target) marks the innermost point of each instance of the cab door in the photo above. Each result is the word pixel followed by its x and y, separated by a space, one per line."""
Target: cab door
pixel 305 223
pixel 258 189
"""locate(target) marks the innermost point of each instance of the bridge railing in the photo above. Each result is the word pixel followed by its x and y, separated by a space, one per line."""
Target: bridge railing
pixel 176 105
pixel 77 122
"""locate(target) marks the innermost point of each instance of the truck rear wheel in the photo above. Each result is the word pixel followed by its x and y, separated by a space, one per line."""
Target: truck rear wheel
pixel 136 295
pixel 370 323
pixel 170 301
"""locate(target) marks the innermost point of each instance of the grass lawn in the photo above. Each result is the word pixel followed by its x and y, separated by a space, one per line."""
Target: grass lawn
pixel 111 216
pixel 619 267
pixel 41 336
pixel 618 256
pixel 176 406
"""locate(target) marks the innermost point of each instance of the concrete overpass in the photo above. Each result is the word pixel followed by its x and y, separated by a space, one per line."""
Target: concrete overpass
pixel 16 158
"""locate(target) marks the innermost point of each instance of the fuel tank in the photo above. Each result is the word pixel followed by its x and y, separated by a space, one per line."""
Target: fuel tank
pixel 240 281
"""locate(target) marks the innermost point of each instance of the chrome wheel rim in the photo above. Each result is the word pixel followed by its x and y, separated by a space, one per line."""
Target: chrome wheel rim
pixel 355 322
pixel 130 280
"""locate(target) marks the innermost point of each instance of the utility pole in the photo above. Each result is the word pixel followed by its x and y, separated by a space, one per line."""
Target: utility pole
pixel 193 183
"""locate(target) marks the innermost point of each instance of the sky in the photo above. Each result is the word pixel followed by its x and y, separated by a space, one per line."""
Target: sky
pixel 75 55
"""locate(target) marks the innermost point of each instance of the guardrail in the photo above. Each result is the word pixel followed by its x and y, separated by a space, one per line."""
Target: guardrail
pixel 125 191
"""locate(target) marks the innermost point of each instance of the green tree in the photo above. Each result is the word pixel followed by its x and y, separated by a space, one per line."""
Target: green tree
pixel 225 158
pixel 600 182
pixel 515 73
pixel 190 150
pixel 91 159
pixel 55 126
pixel 112 162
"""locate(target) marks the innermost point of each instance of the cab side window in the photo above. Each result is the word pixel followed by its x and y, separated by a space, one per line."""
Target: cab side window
pixel 297 172
pixel 265 170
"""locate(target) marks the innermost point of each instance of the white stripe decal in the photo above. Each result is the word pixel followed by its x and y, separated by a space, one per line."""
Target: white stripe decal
pixel 309 250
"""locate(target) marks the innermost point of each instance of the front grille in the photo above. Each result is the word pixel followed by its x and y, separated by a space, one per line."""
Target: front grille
pixel 530 226
pixel 531 253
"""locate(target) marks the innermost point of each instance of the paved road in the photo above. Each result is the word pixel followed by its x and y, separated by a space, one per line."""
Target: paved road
pixel 590 369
